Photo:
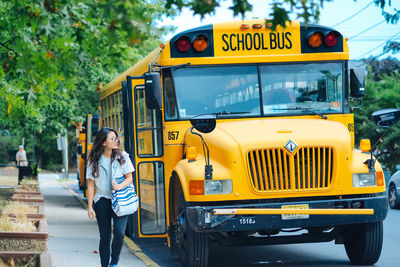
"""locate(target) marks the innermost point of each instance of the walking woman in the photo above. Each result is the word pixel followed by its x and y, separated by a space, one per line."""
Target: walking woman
pixel 107 161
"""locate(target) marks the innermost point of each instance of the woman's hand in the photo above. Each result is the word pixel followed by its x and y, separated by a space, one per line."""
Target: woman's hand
pixel 91 213
pixel 116 186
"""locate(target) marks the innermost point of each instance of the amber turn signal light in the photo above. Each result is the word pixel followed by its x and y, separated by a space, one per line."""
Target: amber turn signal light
pixel 200 43
pixel 315 39
pixel 196 187
pixel 191 153
pixel 365 145
pixel 379 179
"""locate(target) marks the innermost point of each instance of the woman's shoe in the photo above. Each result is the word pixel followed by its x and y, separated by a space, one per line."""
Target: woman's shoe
pixel 114 265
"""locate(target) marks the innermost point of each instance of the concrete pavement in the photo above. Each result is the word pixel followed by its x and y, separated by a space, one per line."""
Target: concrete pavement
pixel 73 238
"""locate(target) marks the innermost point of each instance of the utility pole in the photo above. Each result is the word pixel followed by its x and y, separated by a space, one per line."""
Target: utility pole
pixel 62 145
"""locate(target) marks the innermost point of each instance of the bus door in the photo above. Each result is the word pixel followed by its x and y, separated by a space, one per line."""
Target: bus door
pixel 149 166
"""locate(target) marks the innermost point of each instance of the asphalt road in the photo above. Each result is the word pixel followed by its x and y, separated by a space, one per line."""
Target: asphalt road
pixel 317 254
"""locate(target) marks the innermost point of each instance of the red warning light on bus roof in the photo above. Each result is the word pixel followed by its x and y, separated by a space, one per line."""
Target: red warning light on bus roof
pixel 331 38
pixel 183 44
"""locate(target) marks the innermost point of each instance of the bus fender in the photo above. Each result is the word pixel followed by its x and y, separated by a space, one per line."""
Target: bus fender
pixel 178 177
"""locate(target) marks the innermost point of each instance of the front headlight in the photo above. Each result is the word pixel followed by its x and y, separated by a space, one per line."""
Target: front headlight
pixel 212 187
pixel 364 179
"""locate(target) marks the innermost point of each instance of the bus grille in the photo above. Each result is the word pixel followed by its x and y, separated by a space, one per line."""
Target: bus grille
pixel 309 168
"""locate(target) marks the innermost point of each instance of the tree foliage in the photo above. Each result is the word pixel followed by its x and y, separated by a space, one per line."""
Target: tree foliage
pixel 307 11
pixel 382 91
pixel 55 53
pixel 382 68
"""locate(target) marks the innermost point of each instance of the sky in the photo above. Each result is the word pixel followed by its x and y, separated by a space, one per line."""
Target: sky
pixel 360 21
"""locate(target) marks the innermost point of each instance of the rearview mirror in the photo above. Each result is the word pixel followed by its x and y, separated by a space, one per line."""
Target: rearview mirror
pixel 204 123
pixel 385 118
pixel 79 149
pixel 357 82
pixel 152 88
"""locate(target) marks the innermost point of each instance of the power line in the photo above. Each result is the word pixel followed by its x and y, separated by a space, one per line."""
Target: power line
pixel 373 26
pixel 352 16
pixel 372 39
pixel 393 37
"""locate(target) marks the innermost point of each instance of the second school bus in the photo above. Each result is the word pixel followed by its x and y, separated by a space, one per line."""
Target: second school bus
pixel 272 149
pixel 85 135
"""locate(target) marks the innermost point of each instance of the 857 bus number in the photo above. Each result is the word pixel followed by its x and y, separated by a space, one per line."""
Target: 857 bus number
pixel 173 135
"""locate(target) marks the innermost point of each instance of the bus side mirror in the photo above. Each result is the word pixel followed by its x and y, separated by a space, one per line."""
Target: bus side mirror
pixel 385 118
pixel 152 88
pixel 357 82
pixel 79 149
pixel 204 123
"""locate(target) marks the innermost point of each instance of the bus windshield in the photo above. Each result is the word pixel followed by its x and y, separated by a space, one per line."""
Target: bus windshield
pixel 234 91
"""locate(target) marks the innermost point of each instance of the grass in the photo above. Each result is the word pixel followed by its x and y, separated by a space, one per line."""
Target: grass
pixel 29 181
pixel 19 224
pixel 18 207
pixel 5 196
pixel 28 188
pixel 33 262
pixel 30 196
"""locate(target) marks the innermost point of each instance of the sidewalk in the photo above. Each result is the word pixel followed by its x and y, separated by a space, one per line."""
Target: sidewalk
pixel 73 238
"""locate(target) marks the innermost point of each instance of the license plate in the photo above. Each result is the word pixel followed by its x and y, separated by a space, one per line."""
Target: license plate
pixel 295 216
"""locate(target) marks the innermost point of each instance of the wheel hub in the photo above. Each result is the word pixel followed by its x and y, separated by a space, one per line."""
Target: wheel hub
pixel 392 197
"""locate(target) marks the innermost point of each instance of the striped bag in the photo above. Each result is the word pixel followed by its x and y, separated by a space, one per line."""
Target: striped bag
pixel 124 201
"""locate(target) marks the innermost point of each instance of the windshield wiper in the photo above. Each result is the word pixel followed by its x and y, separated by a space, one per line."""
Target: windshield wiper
pixel 306 110
pixel 224 112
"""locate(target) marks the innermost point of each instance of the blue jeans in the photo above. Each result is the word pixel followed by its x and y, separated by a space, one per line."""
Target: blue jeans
pixel 104 213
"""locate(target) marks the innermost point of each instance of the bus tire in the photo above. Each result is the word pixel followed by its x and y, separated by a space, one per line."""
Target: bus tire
pixel 193 246
pixel 363 243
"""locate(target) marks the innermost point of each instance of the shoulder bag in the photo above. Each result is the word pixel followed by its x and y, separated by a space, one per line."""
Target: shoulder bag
pixel 124 201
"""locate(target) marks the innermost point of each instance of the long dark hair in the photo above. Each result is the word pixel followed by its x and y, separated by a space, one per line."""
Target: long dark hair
pixel 98 149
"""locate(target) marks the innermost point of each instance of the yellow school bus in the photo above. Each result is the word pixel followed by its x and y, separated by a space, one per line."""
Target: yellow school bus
pixel 239 133
pixel 85 133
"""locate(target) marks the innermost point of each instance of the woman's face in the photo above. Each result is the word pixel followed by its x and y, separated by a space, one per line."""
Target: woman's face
pixel 111 141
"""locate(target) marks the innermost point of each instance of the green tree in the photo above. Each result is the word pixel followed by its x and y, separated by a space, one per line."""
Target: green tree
pixel 305 10
pixel 380 94
pixel 55 53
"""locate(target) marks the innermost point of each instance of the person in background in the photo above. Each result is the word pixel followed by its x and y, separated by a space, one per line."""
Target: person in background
pixel 21 157
pixel 107 161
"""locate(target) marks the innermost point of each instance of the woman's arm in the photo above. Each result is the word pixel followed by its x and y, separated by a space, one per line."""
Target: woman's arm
pixel 128 180
pixel 90 196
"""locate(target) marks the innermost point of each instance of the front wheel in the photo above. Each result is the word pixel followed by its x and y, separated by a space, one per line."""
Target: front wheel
pixel 193 246
pixel 393 197
pixel 363 243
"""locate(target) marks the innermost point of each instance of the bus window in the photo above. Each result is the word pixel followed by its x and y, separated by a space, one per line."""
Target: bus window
pixel 148 127
pixel 152 206
pixel 170 100
pixel 223 90
pixel 289 89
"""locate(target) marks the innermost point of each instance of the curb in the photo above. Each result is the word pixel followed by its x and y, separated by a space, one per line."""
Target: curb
pixel 133 247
